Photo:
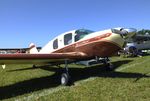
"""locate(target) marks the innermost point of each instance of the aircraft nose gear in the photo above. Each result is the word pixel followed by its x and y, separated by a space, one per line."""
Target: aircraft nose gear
pixel 65 78
pixel 108 64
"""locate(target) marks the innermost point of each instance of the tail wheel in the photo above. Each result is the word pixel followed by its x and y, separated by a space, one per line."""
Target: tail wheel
pixel 64 79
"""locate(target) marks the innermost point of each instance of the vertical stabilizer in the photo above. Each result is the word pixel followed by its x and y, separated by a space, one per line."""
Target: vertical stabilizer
pixel 32 49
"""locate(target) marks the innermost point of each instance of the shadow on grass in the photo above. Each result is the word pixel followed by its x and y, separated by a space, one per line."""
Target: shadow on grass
pixel 52 81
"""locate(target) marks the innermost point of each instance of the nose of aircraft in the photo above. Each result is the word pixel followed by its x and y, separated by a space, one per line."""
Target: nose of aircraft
pixel 129 32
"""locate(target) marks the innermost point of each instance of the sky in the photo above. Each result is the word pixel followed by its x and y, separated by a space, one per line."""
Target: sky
pixel 39 21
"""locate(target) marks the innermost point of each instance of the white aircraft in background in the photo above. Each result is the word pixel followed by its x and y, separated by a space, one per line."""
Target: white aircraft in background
pixel 140 42
pixel 72 46
pixel 137 45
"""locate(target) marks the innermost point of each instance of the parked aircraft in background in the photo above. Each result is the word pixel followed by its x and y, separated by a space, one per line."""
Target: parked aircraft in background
pixel 72 46
pixel 137 44
pixel 141 42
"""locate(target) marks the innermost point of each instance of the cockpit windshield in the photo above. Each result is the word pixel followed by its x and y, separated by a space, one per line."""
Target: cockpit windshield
pixel 81 33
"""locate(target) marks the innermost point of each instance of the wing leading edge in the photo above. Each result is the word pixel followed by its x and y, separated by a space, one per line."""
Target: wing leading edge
pixel 40 58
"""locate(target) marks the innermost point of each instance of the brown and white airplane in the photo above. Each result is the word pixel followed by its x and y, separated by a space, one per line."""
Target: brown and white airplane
pixel 72 46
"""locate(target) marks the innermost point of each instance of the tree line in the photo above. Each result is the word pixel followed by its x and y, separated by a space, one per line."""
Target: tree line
pixel 144 32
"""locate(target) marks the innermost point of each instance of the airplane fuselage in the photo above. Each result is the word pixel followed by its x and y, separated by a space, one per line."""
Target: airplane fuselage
pixel 101 43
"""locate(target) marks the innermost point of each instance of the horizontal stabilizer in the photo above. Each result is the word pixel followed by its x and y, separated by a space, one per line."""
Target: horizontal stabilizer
pixel 32 49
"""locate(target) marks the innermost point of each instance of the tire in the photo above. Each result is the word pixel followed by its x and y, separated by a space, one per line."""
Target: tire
pixel 34 66
pixel 64 79
pixel 109 67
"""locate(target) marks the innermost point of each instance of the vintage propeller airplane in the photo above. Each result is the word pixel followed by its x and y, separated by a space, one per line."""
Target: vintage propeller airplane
pixel 72 46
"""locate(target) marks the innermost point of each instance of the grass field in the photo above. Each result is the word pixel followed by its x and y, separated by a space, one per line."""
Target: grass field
pixel 130 81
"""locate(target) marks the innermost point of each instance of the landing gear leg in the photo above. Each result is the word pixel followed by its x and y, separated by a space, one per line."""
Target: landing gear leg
pixel 109 66
pixel 65 78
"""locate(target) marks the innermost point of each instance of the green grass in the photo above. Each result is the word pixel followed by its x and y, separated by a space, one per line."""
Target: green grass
pixel 130 81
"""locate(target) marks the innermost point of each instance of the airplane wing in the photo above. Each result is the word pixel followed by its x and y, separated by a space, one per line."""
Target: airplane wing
pixel 51 58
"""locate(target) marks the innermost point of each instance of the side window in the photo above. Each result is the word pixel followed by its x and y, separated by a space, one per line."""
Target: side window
pixel 55 44
pixel 68 39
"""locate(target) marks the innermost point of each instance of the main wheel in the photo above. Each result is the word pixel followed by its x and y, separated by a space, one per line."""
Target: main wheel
pixel 109 66
pixel 34 66
pixel 64 79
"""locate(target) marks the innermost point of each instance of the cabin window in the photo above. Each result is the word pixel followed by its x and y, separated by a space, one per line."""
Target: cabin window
pixel 55 44
pixel 68 39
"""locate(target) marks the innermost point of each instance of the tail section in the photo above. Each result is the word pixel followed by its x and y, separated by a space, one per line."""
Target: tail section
pixel 32 49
